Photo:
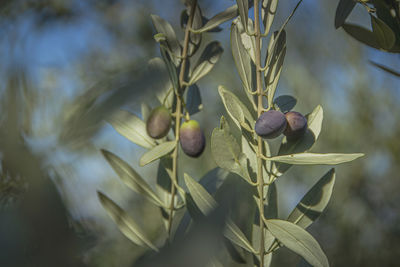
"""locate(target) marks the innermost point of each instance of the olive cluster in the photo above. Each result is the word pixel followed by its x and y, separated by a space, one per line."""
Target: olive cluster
pixel 273 123
pixel 191 138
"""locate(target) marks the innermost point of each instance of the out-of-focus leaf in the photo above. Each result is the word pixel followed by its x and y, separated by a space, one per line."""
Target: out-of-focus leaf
pixel 162 26
pixel 157 152
pixel 361 34
pixel 124 222
pixel 243 6
pixel 274 62
pixel 314 202
pixel 131 127
pixel 193 99
pixel 130 177
pixel 226 151
pixel 235 108
pixel 228 14
pixel 206 62
pixel 316 158
pixel 164 92
pixel 145 111
pixel 285 103
pixel 206 204
pixel 268 11
pixel 343 10
pixel 383 33
pixel 242 58
pixel 299 241
pixel 382 67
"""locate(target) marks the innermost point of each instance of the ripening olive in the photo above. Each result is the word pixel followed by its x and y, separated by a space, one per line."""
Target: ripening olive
pixel 159 122
pixel 270 124
pixel 191 138
pixel 296 125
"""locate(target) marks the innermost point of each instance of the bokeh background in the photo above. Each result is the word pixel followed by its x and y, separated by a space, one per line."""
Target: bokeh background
pixel 68 64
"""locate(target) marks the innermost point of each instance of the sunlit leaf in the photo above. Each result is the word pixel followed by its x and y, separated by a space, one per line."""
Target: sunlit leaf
pixel 274 62
pixel 383 33
pixel 268 11
pixel 206 203
pixel 193 99
pixel 206 62
pixel 343 10
pixel 145 111
pixel 228 14
pixel 299 241
pixel 157 152
pixel 243 6
pixel 125 223
pixel 316 158
pixel 242 58
pixel 314 201
pixel 131 127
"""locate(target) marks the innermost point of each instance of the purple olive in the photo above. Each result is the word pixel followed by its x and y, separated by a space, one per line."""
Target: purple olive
pixel 296 125
pixel 159 122
pixel 270 124
pixel 192 139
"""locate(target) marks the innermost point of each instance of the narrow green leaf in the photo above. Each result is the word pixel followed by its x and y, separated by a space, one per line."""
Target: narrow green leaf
pixel 124 222
pixel 343 10
pixel 162 26
pixel 206 203
pixel 271 205
pixel 268 11
pixel 228 14
pixel 274 62
pixel 299 241
pixel 131 127
pixel 243 6
pixel 145 110
pixel 383 33
pixel 157 152
pixel 242 59
pixel 193 99
pixel 165 93
pixel 361 34
pixel 194 38
pixel 382 67
pixel 314 202
pixel 206 62
pixel 130 177
pixel 316 158
pixel 171 67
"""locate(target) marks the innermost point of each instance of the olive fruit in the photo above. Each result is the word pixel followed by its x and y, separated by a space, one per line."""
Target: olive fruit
pixel 191 138
pixel 159 122
pixel 296 125
pixel 270 124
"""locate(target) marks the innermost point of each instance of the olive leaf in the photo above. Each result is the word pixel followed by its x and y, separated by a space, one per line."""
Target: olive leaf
pixel 382 67
pixel 206 203
pixel 298 240
pixel 343 10
pixel 226 151
pixel 243 6
pixel 157 152
pixel 193 99
pixel 131 127
pixel 316 158
pixel 242 59
pixel 194 38
pixel 206 62
pixel 172 43
pixel 383 33
pixel 236 109
pixel 314 201
pixel 130 177
pixel 145 111
pixel 268 11
pixel 361 34
pixel 228 14
pixel 284 103
pixel 124 222
pixel 274 61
